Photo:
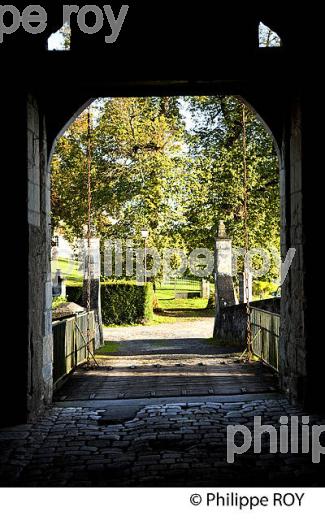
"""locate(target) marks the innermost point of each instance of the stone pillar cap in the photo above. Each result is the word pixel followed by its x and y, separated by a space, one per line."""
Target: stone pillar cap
pixel 221 230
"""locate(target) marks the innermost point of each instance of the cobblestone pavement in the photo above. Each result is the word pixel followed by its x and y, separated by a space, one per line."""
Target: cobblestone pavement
pixel 174 444
pixel 169 441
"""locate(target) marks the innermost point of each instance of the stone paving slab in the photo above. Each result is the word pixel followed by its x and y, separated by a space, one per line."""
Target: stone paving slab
pixel 172 444
pixel 121 410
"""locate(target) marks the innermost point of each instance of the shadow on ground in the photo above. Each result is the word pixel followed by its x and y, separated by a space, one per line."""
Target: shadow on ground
pixel 157 347
pixel 186 313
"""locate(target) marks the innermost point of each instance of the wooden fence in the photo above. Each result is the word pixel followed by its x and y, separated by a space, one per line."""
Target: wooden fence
pixel 70 339
pixel 265 336
pixel 178 284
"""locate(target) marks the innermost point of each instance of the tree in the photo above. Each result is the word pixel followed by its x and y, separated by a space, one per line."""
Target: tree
pixel 149 170
pixel 215 175
pixel 137 160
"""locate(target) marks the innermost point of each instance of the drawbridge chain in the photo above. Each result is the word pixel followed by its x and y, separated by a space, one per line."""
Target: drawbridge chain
pixel 89 204
pixel 249 346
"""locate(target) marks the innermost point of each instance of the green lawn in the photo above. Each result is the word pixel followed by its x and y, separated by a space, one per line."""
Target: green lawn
pixel 165 294
pixel 171 311
pixel 156 320
pixel 191 303
pixel 183 309
pixel 168 291
pixel 109 347
pixel 69 269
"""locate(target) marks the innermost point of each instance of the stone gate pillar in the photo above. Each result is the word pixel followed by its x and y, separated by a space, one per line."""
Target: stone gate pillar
pixel 242 286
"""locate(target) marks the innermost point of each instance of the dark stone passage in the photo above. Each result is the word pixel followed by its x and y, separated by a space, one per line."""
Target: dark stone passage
pixel 180 442
pixel 158 418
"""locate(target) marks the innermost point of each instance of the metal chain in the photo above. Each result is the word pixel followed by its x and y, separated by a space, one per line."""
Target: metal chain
pixel 89 161
pixel 246 237
pixel 89 199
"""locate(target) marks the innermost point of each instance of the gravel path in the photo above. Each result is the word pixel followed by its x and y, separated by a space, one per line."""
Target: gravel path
pixel 200 328
pixel 183 338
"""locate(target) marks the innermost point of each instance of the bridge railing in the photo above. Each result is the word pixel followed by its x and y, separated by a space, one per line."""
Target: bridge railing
pixel 70 338
pixel 265 336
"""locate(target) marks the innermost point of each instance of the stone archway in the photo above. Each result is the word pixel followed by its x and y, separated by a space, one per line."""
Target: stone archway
pixel 44 92
pixel 282 169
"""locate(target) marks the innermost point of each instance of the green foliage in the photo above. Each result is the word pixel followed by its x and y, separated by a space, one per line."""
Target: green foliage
pixel 137 165
pixel 109 347
pixel 126 303
pixel 57 301
pixel 74 293
pixel 149 170
pixel 155 301
pixel 66 33
pixel 216 180
pixel 262 290
pixel 211 302
pixel 123 302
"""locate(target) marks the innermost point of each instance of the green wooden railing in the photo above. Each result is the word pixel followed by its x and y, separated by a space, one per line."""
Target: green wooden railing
pixel 265 336
pixel 70 338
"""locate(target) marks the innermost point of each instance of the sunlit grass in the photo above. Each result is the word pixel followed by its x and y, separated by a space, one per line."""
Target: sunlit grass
pixel 109 347
pixel 69 268
pixel 158 319
pixel 191 303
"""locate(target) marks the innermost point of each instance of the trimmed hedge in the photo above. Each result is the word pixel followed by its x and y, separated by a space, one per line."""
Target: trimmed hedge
pixel 74 293
pixel 126 303
pixel 122 302
pixel 211 302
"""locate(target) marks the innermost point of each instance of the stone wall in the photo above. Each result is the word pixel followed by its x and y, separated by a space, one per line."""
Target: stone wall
pixel 232 321
pixel 292 333
pixel 40 288
pixel 269 304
